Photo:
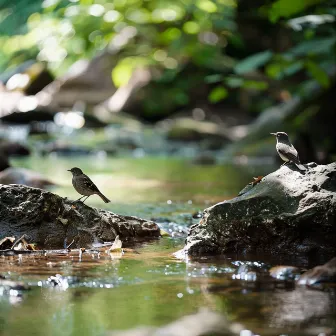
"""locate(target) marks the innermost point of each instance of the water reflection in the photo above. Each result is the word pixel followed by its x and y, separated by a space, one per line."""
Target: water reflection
pixel 147 286
pixel 94 293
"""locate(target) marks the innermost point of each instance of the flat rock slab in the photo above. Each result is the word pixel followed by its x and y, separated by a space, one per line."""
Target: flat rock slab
pixel 288 212
pixel 50 220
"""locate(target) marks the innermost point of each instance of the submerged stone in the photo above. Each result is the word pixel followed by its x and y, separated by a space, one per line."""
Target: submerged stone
pixel 288 213
pixel 320 274
pixel 51 221
pixel 286 273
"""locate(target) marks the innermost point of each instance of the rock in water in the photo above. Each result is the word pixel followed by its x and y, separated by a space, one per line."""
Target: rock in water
pixel 287 213
pixel 50 220
pixel 319 274
pixel 4 163
pixel 10 148
pixel 24 176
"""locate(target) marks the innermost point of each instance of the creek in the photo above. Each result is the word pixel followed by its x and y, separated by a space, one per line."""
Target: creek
pixel 147 285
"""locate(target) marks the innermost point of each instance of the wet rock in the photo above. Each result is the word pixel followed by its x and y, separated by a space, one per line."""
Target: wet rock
pixel 319 274
pixel 7 285
pixel 247 188
pixel 4 162
pixel 287 213
pixel 58 281
pixel 250 271
pixel 13 148
pixel 49 220
pixel 205 322
pixel 299 309
pixel 6 243
pixel 24 176
pixel 286 273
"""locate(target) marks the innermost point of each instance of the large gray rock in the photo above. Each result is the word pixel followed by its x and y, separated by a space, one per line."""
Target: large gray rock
pixel 286 213
pixel 49 220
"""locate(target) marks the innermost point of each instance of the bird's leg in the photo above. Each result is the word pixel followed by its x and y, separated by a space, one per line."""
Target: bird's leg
pixel 86 198
pixel 79 198
pixel 285 163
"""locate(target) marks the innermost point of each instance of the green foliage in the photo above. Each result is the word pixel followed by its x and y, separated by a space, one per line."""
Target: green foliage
pixel 282 68
pixel 255 85
pixel 318 73
pixel 253 62
pixel 312 46
pixel 287 8
pixel 188 43
pixel 14 14
pixel 217 94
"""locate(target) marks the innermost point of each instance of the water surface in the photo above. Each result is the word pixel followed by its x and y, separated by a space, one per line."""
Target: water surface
pixel 147 285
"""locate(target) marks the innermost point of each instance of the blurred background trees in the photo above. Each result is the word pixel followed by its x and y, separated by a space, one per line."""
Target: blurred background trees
pixel 225 56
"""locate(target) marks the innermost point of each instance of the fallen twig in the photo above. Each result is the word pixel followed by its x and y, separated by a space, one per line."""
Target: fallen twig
pixel 17 242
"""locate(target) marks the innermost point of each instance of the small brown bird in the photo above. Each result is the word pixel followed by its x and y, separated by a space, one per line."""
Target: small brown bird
pixel 286 150
pixel 84 186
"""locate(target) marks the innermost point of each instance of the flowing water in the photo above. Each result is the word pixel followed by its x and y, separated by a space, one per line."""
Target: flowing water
pixel 147 286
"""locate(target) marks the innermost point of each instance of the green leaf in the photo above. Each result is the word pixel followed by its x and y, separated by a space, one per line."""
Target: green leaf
pixel 234 82
pixel 315 46
pixel 253 62
pixel 318 73
pixel 255 85
pixel 293 68
pixel 287 8
pixel 213 78
pixel 207 6
pixel 279 71
pixel 217 94
pixel 274 70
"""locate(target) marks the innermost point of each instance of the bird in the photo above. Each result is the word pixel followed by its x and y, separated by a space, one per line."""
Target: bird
pixel 286 150
pixel 84 186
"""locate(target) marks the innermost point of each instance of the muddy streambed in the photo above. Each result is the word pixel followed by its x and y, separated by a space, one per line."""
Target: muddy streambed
pixel 97 293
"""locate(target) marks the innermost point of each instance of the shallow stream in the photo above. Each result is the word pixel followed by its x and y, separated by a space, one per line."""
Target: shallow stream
pixel 147 285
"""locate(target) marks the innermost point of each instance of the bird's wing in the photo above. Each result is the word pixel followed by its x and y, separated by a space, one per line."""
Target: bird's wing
pixel 289 152
pixel 89 184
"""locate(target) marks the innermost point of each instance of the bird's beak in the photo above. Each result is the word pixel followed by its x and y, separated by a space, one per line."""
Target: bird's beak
pixel 273 133
pixel 69 170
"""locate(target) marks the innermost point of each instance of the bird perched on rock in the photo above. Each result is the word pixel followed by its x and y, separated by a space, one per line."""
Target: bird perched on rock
pixel 84 186
pixel 286 150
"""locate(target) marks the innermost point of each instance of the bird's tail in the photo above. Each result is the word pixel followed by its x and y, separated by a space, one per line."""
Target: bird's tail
pixel 105 199
pixel 300 166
